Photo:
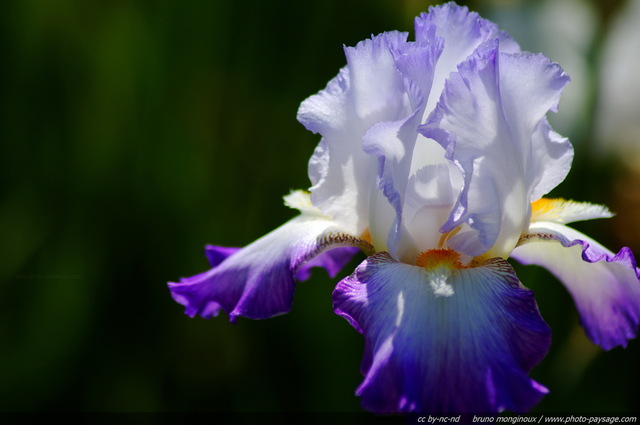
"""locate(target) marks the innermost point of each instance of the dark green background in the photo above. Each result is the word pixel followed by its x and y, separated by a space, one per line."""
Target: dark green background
pixel 132 134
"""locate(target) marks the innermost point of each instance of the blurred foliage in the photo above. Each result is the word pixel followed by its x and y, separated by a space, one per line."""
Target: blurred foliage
pixel 133 133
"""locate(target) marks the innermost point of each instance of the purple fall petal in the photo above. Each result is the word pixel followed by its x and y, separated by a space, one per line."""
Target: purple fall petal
pixel 605 286
pixel 446 340
pixel 216 254
pixel 332 261
pixel 258 281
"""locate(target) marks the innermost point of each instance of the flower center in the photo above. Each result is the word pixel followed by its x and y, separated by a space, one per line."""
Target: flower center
pixel 439 265
pixel 434 258
pixel 447 258
pixel 366 236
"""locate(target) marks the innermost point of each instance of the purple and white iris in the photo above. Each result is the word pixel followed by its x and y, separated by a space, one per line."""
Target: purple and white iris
pixel 434 159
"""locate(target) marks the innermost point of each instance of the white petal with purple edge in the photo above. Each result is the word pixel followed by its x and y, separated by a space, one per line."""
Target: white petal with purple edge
pixel 431 343
pixel 462 32
pixel 368 90
pixel 507 152
pixel 332 261
pixel 258 281
pixel 604 285
pixel 393 142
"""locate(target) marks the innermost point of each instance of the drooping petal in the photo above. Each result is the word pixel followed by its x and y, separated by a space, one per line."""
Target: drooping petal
pixel 604 285
pixel 444 338
pixel 332 261
pixel 258 281
pixel 368 90
pixel 491 121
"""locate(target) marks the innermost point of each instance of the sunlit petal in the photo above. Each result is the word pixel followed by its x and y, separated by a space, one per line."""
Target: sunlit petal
pixel 562 211
pixel 368 90
pixel 433 345
pixel 491 121
pixel 258 281
pixel 604 285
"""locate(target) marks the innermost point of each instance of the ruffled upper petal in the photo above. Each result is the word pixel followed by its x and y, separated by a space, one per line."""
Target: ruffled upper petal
pixel 392 142
pixel 368 90
pixel 258 281
pixel 462 32
pixel 444 338
pixel 491 121
pixel 604 285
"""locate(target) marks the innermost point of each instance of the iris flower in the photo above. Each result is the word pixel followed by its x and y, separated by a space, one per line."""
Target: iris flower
pixel 434 160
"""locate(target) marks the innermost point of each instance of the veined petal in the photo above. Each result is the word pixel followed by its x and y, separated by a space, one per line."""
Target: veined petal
pixel 604 285
pixel 258 281
pixel 368 90
pixel 491 121
pixel 431 343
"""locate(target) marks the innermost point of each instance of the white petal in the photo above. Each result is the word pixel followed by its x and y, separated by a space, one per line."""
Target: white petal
pixel 368 90
pixel 431 193
pixel 491 121
pixel 462 32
